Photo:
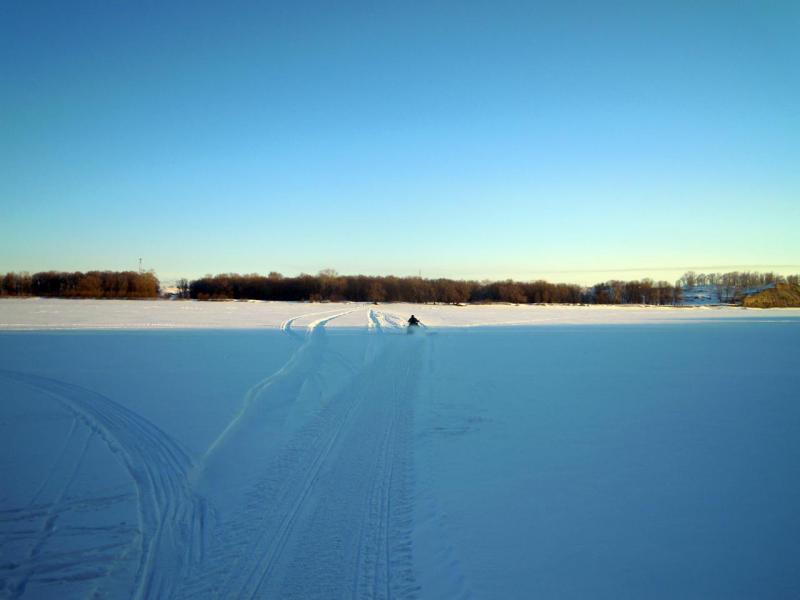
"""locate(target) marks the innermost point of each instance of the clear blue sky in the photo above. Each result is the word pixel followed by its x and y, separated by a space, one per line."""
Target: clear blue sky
pixel 573 141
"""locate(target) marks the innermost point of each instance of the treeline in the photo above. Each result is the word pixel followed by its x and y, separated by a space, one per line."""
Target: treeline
pixel 645 291
pixel 330 286
pixel 732 286
pixel 743 279
pixel 94 284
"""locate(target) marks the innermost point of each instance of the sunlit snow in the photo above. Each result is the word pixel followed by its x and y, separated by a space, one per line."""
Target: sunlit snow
pixel 287 450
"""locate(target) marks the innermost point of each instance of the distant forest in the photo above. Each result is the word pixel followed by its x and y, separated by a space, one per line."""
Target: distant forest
pixel 330 286
pixel 94 284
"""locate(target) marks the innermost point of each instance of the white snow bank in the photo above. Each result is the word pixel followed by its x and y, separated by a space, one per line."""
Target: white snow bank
pixel 40 313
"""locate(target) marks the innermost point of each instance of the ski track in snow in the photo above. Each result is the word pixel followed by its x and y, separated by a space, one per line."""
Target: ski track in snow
pixel 330 513
pixel 173 520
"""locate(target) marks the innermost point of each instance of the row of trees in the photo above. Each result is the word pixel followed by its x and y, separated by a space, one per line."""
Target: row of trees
pixel 16 284
pixel 330 286
pixel 743 279
pixel 731 286
pixel 94 284
pixel 645 291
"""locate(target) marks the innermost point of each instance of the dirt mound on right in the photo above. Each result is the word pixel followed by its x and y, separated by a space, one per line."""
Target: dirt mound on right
pixel 783 295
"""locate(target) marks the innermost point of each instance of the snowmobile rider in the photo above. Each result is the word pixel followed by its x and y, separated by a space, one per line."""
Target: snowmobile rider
pixel 413 321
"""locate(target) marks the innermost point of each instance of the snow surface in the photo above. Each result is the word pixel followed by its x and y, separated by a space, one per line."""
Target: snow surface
pixel 319 451
pixel 40 313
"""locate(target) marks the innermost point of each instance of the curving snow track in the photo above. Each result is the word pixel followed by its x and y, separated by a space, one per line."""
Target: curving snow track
pixel 327 508
pixel 173 519
pixel 290 378
pixel 329 514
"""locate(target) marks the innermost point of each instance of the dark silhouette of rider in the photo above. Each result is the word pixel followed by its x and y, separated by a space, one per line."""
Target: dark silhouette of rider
pixel 413 321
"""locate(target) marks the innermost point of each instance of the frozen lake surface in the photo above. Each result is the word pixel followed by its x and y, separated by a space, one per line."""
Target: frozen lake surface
pixel 318 451
pixel 54 313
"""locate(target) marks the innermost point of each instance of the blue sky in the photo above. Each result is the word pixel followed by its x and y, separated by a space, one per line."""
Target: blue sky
pixel 566 140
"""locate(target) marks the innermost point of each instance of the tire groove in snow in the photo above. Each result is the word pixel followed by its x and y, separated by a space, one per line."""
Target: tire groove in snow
pixel 33 563
pixel 301 365
pixel 308 504
pixel 373 322
pixel 342 547
pixel 335 495
pixel 172 517
pixel 54 466
pixel 370 552
pixel 235 562
pixel 287 326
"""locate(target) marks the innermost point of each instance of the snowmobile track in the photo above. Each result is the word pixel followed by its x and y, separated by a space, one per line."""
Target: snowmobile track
pixel 330 514
pixel 301 365
pixel 350 537
pixel 173 519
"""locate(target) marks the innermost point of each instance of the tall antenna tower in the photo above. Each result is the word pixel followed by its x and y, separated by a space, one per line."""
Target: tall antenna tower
pixel 140 265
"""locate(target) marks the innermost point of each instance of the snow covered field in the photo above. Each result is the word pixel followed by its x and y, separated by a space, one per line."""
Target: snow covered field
pixel 40 313
pixel 278 450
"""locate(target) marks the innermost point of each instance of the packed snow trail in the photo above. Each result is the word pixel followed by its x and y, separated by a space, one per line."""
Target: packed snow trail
pixel 329 512
pixel 306 493
pixel 286 382
pixel 173 519
pixel 347 535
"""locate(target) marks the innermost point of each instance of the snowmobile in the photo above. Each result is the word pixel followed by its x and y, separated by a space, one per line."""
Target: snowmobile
pixel 413 324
